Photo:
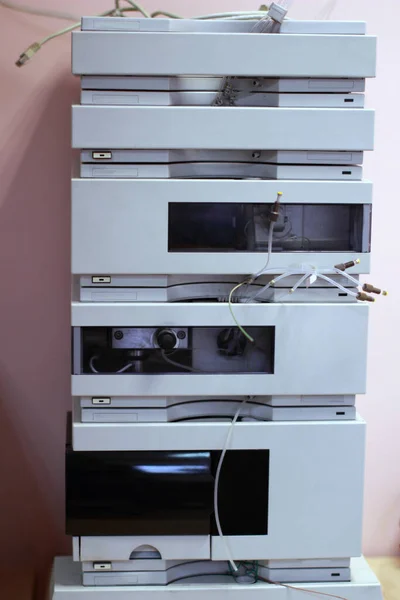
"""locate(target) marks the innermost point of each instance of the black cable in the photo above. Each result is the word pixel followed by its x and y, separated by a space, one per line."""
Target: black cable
pixel 200 575
pixel 236 401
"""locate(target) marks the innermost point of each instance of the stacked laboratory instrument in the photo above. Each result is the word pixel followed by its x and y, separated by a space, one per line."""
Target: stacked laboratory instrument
pixel 220 223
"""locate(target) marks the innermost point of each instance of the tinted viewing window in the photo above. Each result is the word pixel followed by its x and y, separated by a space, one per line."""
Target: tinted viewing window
pixel 244 227
pixel 130 350
pixel 166 493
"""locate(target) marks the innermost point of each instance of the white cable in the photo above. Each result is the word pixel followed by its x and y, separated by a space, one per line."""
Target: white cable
pixel 253 17
pixel 258 293
pixel 125 368
pixel 94 370
pixel 336 284
pixel 133 6
pixel 300 281
pixel 55 14
pixel 349 277
pixel 270 235
pixel 58 33
pixel 176 364
pixel 225 15
pixel 322 274
pixel 216 484
pixel 287 274
pixel 36 46
pixel 271 283
pixel 92 367
pixel 137 7
pixel 164 13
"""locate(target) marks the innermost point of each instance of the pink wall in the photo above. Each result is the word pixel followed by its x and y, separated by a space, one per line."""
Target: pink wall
pixel 34 257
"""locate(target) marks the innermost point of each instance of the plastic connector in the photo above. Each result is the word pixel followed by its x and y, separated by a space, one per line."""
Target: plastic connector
pixel 277 13
pixel 371 289
pixel 27 55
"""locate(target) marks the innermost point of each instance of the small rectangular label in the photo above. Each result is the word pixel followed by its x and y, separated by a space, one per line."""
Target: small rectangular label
pixel 103 566
pixel 101 279
pixel 101 155
pixel 97 401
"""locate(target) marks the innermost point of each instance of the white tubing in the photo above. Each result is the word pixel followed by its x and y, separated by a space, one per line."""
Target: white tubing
pixel 217 476
pixel 125 368
pixel 349 277
pixel 92 367
pixel 271 283
pixel 300 281
pixel 176 364
pixel 270 234
pixel 336 284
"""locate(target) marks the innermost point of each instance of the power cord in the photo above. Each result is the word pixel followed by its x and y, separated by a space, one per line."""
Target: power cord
pixel 116 11
pixel 36 46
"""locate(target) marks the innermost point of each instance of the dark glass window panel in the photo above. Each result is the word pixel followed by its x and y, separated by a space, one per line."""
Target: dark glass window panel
pixel 205 350
pixel 244 227
pixel 166 493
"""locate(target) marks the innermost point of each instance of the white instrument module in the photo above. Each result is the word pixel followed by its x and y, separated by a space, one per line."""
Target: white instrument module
pixel 220 223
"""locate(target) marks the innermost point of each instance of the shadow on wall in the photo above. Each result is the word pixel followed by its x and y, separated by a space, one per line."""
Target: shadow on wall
pixel 35 330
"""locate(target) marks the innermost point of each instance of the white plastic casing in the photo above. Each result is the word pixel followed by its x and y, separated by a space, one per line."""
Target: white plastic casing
pixel 335 336
pixel 221 128
pixel 132 216
pixel 213 53
pixel 67 585
pixel 323 524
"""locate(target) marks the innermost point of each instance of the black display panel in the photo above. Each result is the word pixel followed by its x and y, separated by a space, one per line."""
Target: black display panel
pixel 138 493
pixel 165 493
pixel 242 492
pixel 244 227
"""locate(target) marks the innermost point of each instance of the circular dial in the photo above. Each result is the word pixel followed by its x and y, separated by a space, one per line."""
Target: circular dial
pixel 166 339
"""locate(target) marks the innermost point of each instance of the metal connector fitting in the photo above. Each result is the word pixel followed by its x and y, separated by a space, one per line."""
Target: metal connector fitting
pixel 371 289
pixel 27 55
pixel 347 265
pixel 365 297
pixel 274 214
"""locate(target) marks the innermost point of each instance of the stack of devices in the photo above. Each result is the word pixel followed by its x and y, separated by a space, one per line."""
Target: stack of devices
pixel 220 223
